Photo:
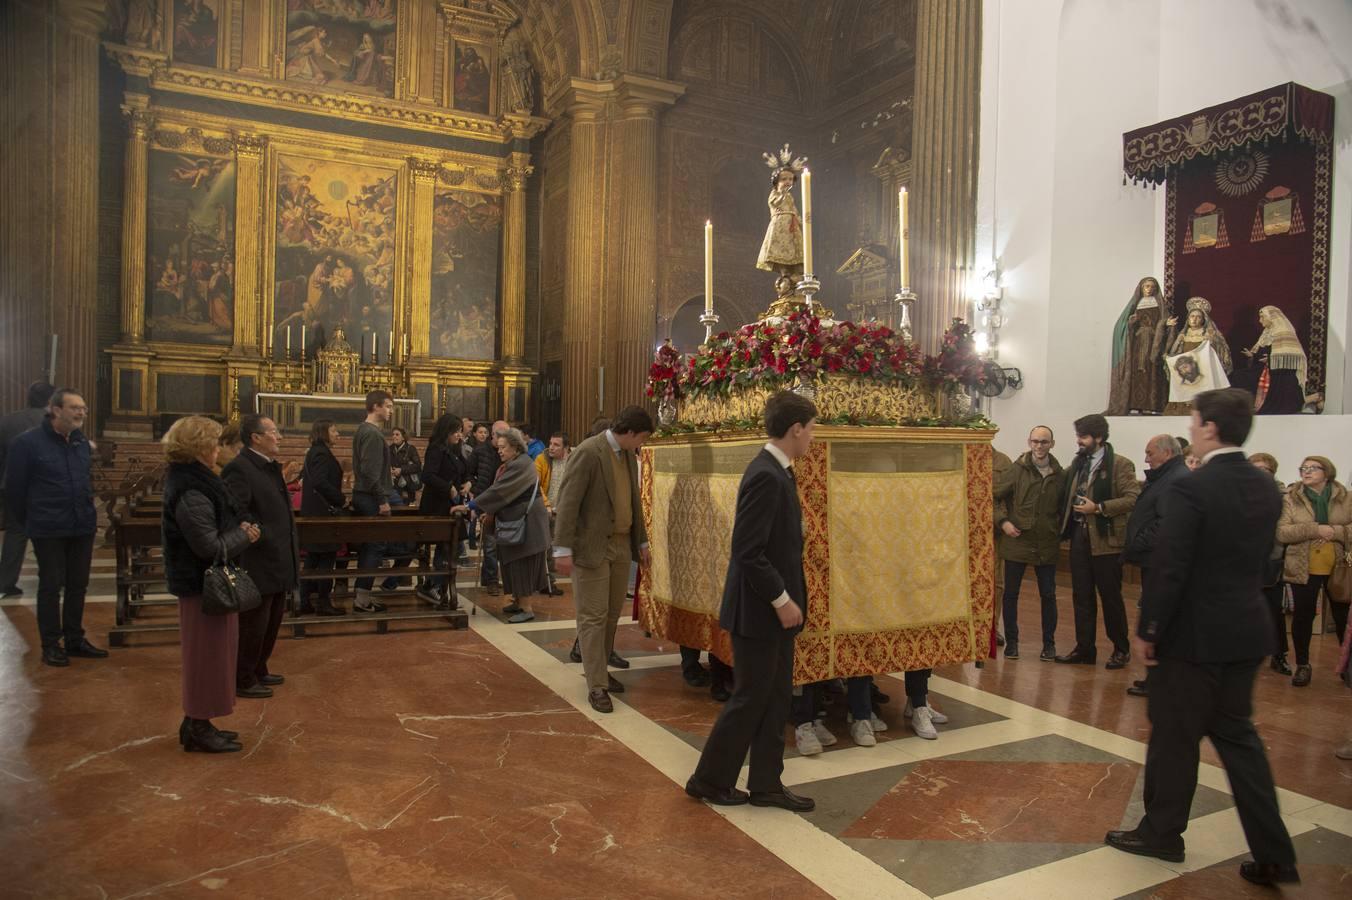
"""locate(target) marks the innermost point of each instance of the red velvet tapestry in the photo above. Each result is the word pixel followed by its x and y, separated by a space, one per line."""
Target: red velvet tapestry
pixel 1247 212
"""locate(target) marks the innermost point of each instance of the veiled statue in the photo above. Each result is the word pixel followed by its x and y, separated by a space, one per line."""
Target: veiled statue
pixel 1198 358
pixel 1278 366
pixel 1139 383
pixel 782 249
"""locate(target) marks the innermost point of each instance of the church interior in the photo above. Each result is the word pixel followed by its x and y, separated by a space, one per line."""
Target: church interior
pixel 546 211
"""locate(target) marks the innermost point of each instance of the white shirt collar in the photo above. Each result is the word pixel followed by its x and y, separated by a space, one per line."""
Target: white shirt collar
pixel 778 455
pixel 264 455
pixel 614 444
pixel 1219 450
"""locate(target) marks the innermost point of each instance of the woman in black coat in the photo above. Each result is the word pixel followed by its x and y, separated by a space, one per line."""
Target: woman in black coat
pixel 321 495
pixel 406 465
pixel 444 474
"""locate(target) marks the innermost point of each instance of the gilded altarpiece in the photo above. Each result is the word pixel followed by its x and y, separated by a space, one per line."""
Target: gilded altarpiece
pixel 466 235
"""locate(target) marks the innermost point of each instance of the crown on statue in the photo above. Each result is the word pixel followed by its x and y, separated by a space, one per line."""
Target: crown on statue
pixel 782 160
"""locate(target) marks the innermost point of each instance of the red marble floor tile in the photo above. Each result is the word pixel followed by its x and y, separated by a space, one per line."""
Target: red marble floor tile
pixel 1224 883
pixel 1006 801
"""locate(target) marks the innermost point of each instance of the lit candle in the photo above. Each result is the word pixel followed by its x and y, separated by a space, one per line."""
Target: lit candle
pixel 288 341
pixel 389 348
pixel 807 222
pixel 708 266
pixel 375 347
pixel 903 207
pixel 302 340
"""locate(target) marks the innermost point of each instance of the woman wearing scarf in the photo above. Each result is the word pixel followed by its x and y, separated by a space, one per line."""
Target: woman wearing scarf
pixel 1201 342
pixel 1280 387
pixel 1316 525
pixel 1138 382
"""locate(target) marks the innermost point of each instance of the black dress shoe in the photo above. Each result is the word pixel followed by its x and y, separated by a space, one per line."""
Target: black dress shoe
pixel 600 701
pixel 1132 842
pixel 1075 657
pixel 783 799
pixel 254 692
pixel 11 592
pixel 1138 690
pixel 999 640
pixel 613 685
pixel 1280 665
pixel 201 737
pixel 717 796
pixel 575 655
pixel 1118 660
pixel 55 656
pixel 187 723
pixel 697 677
pixel 878 697
pixel 720 693
pixel 1302 676
pixel 329 611
pixel 1269 873
pixel 554 591
pixel 85 649
pixel 271 680
pixel 617 661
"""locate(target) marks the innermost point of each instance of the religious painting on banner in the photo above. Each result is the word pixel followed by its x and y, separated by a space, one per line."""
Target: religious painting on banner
pixel 195 31
pixel 472 78
pixel 190 247
pixel 335 250
pixel 466 234
pixel 342 44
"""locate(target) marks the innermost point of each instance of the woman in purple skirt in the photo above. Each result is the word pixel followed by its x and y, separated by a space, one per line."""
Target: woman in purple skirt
pixel 200 525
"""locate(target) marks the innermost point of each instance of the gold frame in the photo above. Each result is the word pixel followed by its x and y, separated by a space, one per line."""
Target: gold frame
pixel 489 51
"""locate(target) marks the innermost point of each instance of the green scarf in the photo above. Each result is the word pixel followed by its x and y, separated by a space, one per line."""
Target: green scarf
pixel 1320 501
pixel 1100 487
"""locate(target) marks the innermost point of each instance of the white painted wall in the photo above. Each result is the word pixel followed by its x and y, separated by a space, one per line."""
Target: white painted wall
pixel 1061 81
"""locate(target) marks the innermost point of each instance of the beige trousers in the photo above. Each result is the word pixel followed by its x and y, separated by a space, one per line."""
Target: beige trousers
pixel 599 595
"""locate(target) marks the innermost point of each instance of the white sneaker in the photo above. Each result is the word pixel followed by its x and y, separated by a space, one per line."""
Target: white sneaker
pixel 862 732
pixel 876 723
pixel 806 739
pixel 823 733
pixel 922 725
pixel 936 717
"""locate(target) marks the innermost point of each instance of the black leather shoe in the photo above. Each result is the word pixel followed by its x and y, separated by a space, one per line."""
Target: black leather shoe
pixel 878 697
pixel 600 701
pixel 85 650
pixel 1280 665
pixel 554 591
pixel 1132 842
pixel 613 685
pixel 999 640
pixel 717 796
pixel 202 738
pixel 618 662
pixel 575 655
pixel 1138 690
pixel 55 656
pixel 11 592
pixel 254 692
pixel 1302 676
pixel 1048 653
pixel 720 693
pixel 783 799
pixel 1268 873
pixel 187 723
pixel 1075 657
pixel 1118 660
pixel 272 680
pixel 329 611
pixel 697 677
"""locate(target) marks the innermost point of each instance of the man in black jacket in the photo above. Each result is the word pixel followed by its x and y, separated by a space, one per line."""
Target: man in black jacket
pixel 483 468
pixel 1204 629
pixel 256 484
pixel 764 604
pixel 1164 461
pixel 16 542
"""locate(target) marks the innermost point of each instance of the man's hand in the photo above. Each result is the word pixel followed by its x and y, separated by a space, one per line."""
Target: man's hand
pixel 563 565
pixel 790 616
pixel 1144 650
pixel 1084 506
pixel 290 471
pixel 645 557
pixel 384 509
pixel 1010 529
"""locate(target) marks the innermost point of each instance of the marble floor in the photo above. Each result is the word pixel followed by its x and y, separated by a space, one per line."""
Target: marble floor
pixel 431 763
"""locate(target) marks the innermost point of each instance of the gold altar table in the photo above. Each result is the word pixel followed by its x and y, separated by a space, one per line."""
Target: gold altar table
pixel 898 553
pixel 303 410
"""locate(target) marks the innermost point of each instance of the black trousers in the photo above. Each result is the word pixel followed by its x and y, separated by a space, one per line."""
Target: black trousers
pixel 257 636
pixel 11 556
pixel 1189 701
pixel 1273 595
pixel 1305 600
pixel 719 671
pixel 754 717
pixel 318 561
pixel 1088 574
pixel 63 575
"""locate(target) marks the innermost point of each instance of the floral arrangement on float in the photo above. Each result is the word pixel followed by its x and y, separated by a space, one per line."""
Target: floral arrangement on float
pixel 857 373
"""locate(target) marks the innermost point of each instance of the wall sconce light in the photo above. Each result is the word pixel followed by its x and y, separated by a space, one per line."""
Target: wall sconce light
pixel 992 293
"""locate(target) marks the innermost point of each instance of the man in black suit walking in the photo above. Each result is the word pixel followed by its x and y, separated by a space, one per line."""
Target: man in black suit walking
pixel 1204 631
pixel 764 602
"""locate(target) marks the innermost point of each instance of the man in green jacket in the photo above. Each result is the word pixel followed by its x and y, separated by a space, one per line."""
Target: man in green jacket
pixel 1028 500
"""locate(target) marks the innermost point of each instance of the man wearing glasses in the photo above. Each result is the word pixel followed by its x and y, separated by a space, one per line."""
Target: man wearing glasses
pixel 50 496
pixel 258 487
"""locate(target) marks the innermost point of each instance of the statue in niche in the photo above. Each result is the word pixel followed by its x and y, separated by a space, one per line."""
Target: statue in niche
pixel 1278 366
pixel 518 78
pixel 782 249
pixel 1139 384
pixel 143 24
pixel 1198 358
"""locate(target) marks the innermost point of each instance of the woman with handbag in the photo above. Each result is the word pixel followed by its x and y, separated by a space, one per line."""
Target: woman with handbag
pixel 201 532
pixel 512 508
pixel 443 474
pixel 407 466
pixel 1316 527
pixel 321 495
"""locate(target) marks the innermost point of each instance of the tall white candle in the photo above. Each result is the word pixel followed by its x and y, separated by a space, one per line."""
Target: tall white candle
pixel 708 266
pixel 288 340
pixel 807 222
pixel 903 254
pixel 389 348
pixel 302 339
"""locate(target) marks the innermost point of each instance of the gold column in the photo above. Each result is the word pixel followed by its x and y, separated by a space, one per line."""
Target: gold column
pixel 139 124
pixel 947 110
pixel 634 194
pixel 513 325
pixel 424 178
pixel 250 219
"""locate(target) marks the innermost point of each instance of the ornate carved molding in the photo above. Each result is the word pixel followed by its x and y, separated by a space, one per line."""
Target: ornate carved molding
pixel 482 19
pixel 423 171
pixel 140 123
pixel 136 60
pixel 192 138
pixel 514 177
pixel 250 145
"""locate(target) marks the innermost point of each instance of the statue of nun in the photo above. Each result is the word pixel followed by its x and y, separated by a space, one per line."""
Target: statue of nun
pixel 1139 383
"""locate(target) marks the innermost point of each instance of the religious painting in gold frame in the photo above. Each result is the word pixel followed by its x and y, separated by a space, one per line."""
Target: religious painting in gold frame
pixel 472 87
pixel 466 243
pixel 197 33
pixel 343 45
pixel 334 249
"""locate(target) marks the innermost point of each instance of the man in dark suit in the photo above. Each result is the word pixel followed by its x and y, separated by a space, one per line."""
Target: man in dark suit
pixel 764 602
pixel 1204 630
pixel 255 482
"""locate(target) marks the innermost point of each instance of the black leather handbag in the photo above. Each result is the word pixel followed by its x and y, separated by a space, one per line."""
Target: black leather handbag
pixel 226 588
pixel 512 532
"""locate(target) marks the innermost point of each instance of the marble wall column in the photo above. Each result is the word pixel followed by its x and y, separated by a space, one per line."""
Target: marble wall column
pixel 49 54
pixel 513 328
pixel 249 223
pixel 947 112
